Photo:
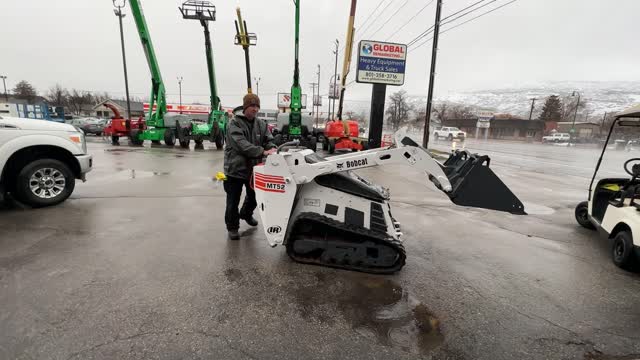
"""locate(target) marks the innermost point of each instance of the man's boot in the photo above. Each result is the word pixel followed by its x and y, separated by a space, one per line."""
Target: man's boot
pixel 250 220
pixel 234 235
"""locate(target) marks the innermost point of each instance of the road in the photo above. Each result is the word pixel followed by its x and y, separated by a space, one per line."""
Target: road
pixel 137 265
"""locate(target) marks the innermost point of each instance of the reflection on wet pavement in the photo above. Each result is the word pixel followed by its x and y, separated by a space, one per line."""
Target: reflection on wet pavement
pixel 376 308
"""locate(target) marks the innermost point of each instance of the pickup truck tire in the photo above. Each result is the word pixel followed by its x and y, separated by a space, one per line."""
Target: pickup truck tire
pixel 44 182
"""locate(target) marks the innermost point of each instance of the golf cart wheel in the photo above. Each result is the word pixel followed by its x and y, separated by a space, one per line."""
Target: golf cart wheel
pixel 185 143
pixel 622 250
pixel 44 182
pixel 450 137
pixel 582 215
pixel 134 137
pixel 169 137
pixel 332 146
pixel 219 142
pixel 115 140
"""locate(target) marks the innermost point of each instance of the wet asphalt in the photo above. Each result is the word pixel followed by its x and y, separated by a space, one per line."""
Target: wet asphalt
pixel 136 264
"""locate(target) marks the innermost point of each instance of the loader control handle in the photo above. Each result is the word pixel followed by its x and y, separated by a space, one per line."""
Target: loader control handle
pixel 295 143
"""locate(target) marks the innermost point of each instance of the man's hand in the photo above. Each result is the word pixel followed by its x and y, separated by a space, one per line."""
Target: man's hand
pixel 269 152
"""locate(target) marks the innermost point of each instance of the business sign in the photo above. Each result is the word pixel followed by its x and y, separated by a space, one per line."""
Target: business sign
pixel 186 108
pixel 334 90
pixel 381 63
pixel 284 100
pixel 317 100
pixel 484 119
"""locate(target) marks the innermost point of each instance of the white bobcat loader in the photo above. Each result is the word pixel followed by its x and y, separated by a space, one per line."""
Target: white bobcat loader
pixel 327 215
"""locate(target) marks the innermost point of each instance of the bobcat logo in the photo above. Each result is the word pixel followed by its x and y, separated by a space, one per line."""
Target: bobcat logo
pixel 339 165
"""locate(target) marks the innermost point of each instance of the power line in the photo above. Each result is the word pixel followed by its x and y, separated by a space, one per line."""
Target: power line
pixel 469 12
pixel 373 12
pixel 411 19
pixel 462 23
pixel 430 29
pixel 461 10
pixel 391 17
pixel 373 22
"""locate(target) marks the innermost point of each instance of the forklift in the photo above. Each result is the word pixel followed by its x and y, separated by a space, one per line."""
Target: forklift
pixel 612 206
pixel 155 129
pixel 214 129
pixel 294 129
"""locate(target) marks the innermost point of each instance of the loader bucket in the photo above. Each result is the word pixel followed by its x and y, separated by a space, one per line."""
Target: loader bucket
pixel 474 184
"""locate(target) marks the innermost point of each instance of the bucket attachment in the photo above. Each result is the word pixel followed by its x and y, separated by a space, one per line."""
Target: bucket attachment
pixel 474 184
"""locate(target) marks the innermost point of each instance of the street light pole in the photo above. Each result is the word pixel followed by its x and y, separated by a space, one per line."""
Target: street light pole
pixel 318 106
pixel 120 15
pixel 335 75
pixel 180 90
pixel 573 125
pixel 4 78
pixel 257 80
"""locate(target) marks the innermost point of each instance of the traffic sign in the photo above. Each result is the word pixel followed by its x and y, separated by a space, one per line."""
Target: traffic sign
pixel 381 63
pixel 284 100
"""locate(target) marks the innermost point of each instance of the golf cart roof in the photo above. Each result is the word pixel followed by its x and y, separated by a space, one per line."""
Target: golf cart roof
pixel 632 112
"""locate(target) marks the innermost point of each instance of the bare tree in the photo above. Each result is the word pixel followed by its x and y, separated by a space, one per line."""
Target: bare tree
pixel 399 109
pixel 441 111
pixel 460 112
pixel 99 97
pixel 57 95
pixel 77 99
pixel 569 104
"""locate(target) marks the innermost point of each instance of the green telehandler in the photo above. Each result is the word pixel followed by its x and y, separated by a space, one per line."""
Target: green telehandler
pixel 295 129
pixel 215 128
pixel 156 129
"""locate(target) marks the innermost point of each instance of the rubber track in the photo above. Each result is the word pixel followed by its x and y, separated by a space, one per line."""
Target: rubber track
pixel 356 231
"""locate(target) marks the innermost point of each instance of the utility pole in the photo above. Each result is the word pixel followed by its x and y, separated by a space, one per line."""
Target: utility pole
pixel 257 80
pixel 432 74
pixel 319 98
pixel 573 125
pixel 180 87
pixel 604 117
pixel 313 101
pixel 335 75
pixel 4 78
pixel 533 101
pixel 120 15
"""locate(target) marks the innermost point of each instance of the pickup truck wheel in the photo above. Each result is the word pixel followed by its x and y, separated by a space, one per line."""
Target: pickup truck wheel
pixel 622 250
pixel 44 182
pixel 582 215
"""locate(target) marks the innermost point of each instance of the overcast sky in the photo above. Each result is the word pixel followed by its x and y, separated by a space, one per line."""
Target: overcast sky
pixel 76 43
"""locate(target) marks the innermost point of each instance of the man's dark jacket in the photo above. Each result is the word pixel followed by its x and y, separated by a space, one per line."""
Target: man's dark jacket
pixel 245 145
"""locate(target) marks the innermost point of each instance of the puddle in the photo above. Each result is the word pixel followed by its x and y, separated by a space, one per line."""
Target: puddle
pixel 139 174
pixel 119 150
pixel 376 308
pixel 537 209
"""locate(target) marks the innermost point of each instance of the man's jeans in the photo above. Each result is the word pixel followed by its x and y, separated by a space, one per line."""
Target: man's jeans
pixel 233 188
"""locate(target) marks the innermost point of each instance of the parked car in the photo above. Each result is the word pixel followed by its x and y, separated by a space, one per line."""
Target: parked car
pixel 449 133
pixel 94 126
pixel 41 160
pixel 556 138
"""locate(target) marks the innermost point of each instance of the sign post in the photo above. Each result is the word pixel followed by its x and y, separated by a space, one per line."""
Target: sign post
pixel 284 101
pixel 380 64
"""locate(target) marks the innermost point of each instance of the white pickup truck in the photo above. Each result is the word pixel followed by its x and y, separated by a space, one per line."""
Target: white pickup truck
pixel 40 160
pixel 556 138
pixel 449 133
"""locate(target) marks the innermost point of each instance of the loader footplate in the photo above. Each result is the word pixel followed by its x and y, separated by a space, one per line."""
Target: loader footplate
pixel 319 240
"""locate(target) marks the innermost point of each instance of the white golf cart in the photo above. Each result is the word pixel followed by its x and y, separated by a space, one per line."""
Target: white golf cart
pixel 613 207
